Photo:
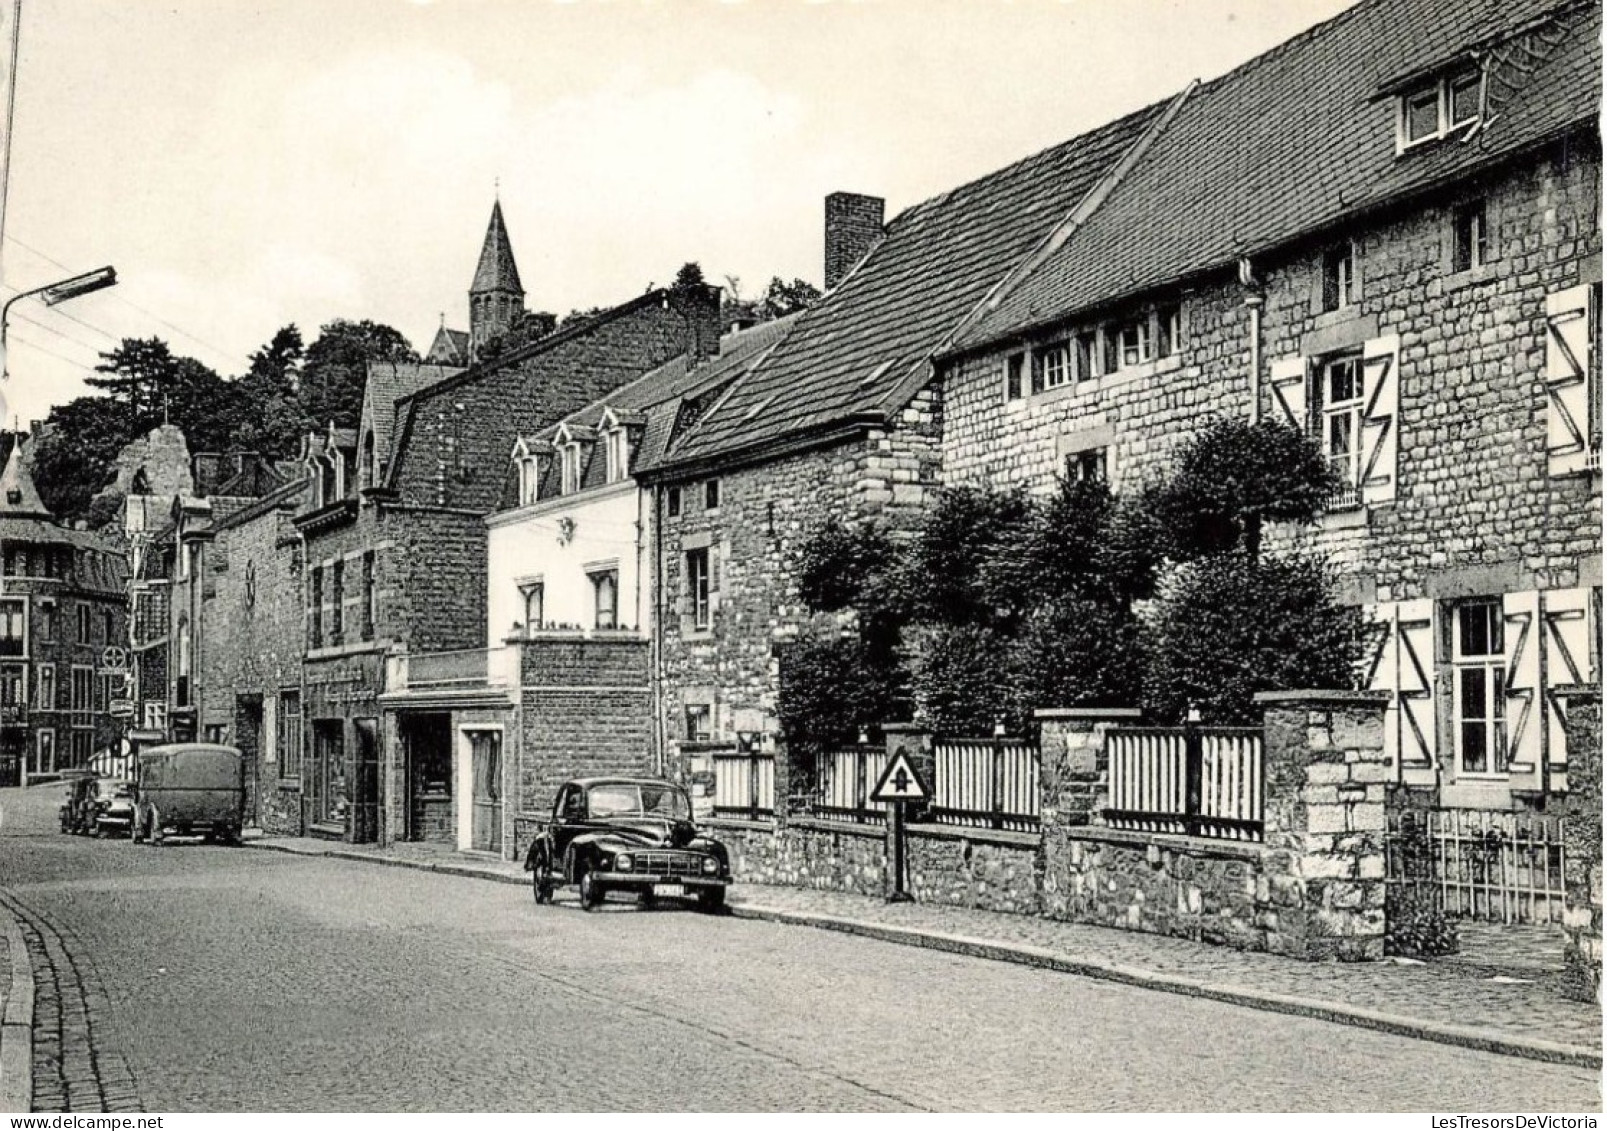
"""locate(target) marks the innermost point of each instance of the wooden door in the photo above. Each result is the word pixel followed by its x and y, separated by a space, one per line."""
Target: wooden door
pixel 485 752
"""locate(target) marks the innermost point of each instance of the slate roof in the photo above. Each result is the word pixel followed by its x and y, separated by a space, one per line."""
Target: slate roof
pixel 651 405
pixel 389 382
pixel 450 347
pixel 496 270
pixel 852 354
pixel 17 480
pixel 1300 139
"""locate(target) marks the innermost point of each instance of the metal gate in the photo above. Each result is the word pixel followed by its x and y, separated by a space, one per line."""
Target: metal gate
pixel 1498 867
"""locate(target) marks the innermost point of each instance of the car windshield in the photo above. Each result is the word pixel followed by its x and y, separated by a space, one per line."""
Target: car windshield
pixel 629 799
pixel 113 788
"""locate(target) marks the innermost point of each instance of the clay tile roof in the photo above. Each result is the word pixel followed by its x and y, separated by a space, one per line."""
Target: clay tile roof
pixel 1299 140
pixel 875 331
pixel 496 271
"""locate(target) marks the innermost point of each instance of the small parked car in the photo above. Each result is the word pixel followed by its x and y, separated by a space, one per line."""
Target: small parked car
pixel 112 807
pixel 189 789
pixel 627 834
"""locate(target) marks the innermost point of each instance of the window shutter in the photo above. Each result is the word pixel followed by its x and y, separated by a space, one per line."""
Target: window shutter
pixel 1567 389
pixel 716 576
pixel 1524 718
pixel 1289 391
pixel 1566 650
pixel 1035 360
pixel 1404 666
pixel 1379 431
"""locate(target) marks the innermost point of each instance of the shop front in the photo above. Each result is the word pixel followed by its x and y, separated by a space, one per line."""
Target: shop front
pixel 340 774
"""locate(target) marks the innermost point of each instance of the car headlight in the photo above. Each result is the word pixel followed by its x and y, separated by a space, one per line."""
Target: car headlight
pixel 623 862
pixel 710 865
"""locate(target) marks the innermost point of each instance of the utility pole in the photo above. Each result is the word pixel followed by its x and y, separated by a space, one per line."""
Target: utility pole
pixel 11 24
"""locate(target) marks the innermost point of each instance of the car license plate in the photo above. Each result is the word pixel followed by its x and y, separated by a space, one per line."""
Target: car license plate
pixel 669 889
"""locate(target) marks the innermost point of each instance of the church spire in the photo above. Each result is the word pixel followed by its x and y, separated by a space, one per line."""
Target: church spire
pixel 19 498
pixel 496 297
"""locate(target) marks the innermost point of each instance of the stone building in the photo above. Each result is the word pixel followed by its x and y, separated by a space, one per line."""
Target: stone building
pixel 394 545
pixel 1384 232
pixel 61 611
pixel 843 419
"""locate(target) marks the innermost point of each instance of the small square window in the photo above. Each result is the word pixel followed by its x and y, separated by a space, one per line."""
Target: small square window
pixel 1422 115
pixel 672 502
pixel 1463 101
pixel 711 495
pixel 1135 343
pixel 1470 244
pixel 1087 467
pixel 1050 367
pixel 1013 369
pixel 1339 277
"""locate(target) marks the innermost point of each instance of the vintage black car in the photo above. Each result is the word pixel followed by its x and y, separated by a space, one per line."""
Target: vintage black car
pixel 76 810
pixel 628 835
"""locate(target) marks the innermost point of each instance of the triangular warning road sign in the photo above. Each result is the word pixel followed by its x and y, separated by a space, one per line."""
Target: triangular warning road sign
pixel 900 781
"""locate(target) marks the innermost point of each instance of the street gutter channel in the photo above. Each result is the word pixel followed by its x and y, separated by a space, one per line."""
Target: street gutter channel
pixel 16 1021
pixel 1021 954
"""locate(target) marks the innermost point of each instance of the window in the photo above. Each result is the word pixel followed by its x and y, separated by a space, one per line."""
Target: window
pixel 370 596
pixel 711 495
pixel 529 481
pixel 605 593
pixel 1135 343
pixel 1469 240
pixel 672 502
pixel 698 588
pixel 83 690
pixel 1087 347
pixel 1086 467
pixel 47 620
pixel 214 732
pixel 46 698
pixel 107 687
pixel 13 685
pixel 108 632
pixel 46 760
pixel 83 745
pixel 571 468
pixel 1110 350
pixel 83 624
pixel 699 722
pixel 1339 277
pixel 1168 330
pixel 1478 688
pixel 13 618
pixel 315 609
pixel 1441 106
pixel 1014 367
pixel 618 455
pixel 337 601
pixel 1051 367
pixel 1340 401
pixel 534 594
pixel 288 739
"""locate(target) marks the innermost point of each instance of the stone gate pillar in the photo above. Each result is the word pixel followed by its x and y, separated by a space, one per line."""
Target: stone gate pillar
pixel 1581 838
pixel 1326 774
pixel 1073 784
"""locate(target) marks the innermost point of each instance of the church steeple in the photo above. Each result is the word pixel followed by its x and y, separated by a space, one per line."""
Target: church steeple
pixel 19 498
pixel 496 296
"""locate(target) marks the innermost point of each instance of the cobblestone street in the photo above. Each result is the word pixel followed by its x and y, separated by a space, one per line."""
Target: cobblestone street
pixel 197 978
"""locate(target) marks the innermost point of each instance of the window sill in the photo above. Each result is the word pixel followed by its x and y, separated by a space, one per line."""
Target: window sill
pixel 1344 518
pixel 1470 277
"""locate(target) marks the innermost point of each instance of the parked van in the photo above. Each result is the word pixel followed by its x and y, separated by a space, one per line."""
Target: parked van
pixel 188 789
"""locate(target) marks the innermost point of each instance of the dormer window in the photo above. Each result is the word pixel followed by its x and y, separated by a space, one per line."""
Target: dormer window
pixel 571 468
pixel 618 455
pixel 1435 108
pixel 529 480
pixel 1339 277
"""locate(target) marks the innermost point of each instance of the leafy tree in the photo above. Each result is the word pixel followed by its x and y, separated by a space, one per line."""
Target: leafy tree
pixel 690 275
pixel 141 374
pixel 528 327
pixel 336 368
pixel 580 316
pixel 781 299
pixel 76 453
pixel 1233 477
pixel 272 422
pixel 828 690
pixel 965 680
pixel 1231 625
pixel 955 573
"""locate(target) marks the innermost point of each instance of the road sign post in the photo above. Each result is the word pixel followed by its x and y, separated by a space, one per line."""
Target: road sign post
pixel 899 785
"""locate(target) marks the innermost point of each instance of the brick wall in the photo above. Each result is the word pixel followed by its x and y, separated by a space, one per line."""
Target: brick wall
pixel 586 710
pixel 766 514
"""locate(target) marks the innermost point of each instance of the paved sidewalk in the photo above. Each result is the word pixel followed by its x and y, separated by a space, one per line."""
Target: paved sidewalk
pixel 1453 1003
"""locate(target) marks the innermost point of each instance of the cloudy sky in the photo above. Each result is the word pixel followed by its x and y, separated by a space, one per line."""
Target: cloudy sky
pixel 248 163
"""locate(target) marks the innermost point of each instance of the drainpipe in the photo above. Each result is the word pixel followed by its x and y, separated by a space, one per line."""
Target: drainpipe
pixel 1253 302
pixel 656 514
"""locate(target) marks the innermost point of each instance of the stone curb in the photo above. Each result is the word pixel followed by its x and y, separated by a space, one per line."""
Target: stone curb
pixel 16 1024
pixel 1022 954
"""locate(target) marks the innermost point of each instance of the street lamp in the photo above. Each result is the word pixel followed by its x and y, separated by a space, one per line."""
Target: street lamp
pixel 51 294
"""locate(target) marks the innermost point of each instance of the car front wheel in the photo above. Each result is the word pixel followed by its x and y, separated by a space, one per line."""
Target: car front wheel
pixel 541 879
pixel 711 899
pixel 591 892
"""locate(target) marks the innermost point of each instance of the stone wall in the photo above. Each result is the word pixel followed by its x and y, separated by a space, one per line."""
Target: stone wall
pixel 1581 922
pixel 255 609
pixel 766 513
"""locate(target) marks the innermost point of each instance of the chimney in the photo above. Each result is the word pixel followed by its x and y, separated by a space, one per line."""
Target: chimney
pixel 853 227
pixel 699 304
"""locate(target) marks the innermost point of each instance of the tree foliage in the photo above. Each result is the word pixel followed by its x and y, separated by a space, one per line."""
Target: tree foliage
pixel 336 369
pixel 782 298
pixel 829 689
pixel 529 327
